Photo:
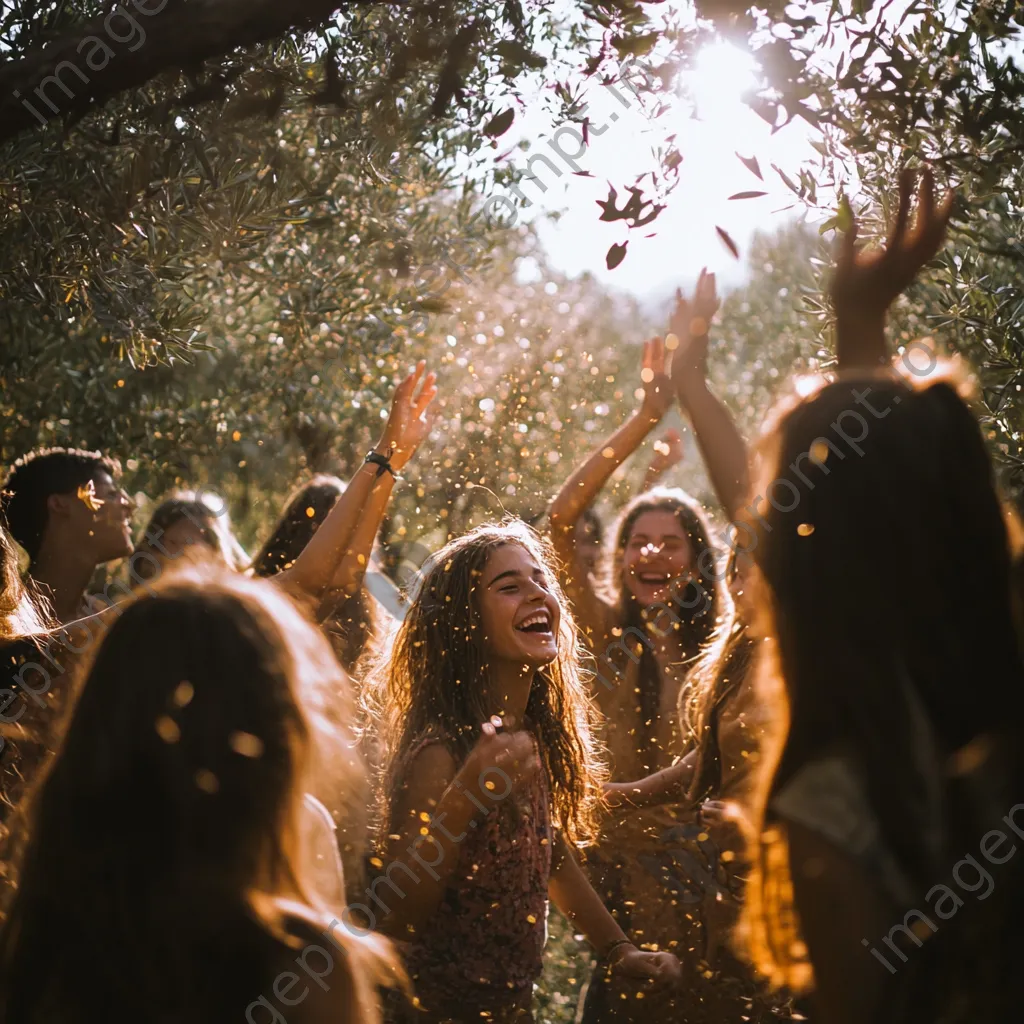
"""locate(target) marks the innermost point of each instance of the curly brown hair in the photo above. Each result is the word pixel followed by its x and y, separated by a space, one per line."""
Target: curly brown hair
pixel 429 683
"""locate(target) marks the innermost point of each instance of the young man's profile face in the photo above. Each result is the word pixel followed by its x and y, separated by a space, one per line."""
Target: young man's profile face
pixel 103 515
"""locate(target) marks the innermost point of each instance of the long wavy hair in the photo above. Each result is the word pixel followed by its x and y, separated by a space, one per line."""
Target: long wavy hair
pixel 167 830
pixel 719 670
pixel 355 624
pixel 22 612
pixel 430 685
pixel 886 578
pixel 698 606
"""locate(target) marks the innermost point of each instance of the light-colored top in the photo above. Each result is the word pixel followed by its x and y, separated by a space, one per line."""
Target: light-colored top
pixel 321 842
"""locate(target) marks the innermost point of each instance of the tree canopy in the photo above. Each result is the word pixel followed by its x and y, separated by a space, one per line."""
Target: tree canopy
pixel 217 251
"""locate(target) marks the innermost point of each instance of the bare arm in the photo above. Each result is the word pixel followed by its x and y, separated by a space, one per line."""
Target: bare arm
pixel 335 549
pixel 582 488
pixel 720 444
pixel 428 791
pixel 664 787
pixel 837 908
pixel 570 890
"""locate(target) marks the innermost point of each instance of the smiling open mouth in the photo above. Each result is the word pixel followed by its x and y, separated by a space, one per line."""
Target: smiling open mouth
pixel 653 578
pixel 537 623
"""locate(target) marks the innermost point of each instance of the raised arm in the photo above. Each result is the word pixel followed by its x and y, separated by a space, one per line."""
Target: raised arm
pixel 582 488
pixel 866 282
pixel 721 446
pixel 336 556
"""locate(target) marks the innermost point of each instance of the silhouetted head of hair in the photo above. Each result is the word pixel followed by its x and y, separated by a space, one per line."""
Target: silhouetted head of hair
pixel 303 515
pixel 178 792
pixel 885 579
pixel 885 553
pixel 37 476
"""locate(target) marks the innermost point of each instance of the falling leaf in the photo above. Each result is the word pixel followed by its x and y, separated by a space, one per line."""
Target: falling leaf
pixel 500 123
pixel 729 243
pixel 748 195
pixel 616 254
pixel 750 162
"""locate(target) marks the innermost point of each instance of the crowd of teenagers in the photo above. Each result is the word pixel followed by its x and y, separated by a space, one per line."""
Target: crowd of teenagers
pixel 771 772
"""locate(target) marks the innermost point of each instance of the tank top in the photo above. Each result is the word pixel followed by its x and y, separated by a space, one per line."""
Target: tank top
pixel 481 950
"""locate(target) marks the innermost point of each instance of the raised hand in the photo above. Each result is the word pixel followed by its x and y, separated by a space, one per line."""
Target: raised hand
pixel 688 332
pixel 867 281
pixel 658 394
pixel 408 423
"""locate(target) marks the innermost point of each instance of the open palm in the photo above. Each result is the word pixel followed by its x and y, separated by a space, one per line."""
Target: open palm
pixel 867 281
pixel 657 386
pixel 408 423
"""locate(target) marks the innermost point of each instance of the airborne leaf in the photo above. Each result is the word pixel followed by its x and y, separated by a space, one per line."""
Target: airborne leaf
pixel 750 162
pixel 500 123
pixel 616 254
pixel 729 243
pixel 748 195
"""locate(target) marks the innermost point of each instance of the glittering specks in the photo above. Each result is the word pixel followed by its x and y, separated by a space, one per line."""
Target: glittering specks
pixel 805 529
pixel 246 744
pixel 167 729
pixel 183 694
pixel 207 781
pixel 819 451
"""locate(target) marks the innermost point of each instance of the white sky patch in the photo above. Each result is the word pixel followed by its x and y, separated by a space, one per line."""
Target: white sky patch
pixel 712 125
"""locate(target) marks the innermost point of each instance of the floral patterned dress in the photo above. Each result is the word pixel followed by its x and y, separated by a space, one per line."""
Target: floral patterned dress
pixel 479 955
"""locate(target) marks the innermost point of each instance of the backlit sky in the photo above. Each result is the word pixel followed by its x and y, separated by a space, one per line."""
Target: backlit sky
pixel 685 237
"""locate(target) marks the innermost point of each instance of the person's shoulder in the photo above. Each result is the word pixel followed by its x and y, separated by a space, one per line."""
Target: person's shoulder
pixel 336 968
pixel 433 757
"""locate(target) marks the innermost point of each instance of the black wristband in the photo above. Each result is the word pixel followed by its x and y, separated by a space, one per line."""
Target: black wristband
pixel 611 947
pixel 382 462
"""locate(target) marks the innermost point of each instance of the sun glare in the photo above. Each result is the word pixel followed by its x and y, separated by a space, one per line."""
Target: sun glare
pixel 722 73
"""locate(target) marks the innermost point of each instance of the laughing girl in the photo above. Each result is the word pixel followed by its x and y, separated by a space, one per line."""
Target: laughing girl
pixel 491 778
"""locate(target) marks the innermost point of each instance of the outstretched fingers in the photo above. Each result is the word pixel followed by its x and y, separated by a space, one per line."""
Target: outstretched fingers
pixel 899 227
pixel 657 356
pixel 427 393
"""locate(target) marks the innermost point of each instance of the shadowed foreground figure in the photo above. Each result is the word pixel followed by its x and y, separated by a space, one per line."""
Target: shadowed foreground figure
pixel 887 813
pixel 168 869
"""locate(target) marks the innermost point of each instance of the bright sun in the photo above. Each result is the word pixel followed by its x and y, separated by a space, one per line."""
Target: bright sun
pixel 722 73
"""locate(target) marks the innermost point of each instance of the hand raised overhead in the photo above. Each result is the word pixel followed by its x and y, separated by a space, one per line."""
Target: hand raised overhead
pixel 408 423
pixel 867 281
pixel 657 387
pixel 689 325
